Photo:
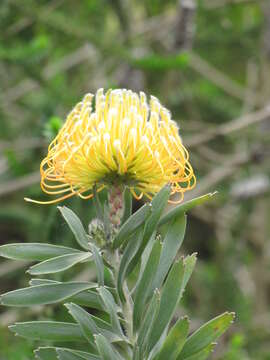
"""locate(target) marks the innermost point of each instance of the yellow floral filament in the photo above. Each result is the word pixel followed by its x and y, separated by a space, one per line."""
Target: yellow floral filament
pixel 116 138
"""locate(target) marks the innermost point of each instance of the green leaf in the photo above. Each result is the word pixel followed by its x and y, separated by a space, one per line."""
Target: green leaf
pixel 130 250
pixel 183 208
pixel 99 264
pixel 89 299
pixel 206 334
pixel 170 297
pixel 34 251
pixel 68 354
pixel 201 355
pixel 48 352
pixel 86 298
pixel 58 264
pixel 35 282
pixel 76 227
pixel 158 204
pixel 89 324
pixel 85 321
pixel 111 308
pixel 174 341
pixel 144 286
pixel 48 331
pixel 147 324
pixel 189 262
pixel 44 294
pixel 105 349
pixel 45 353
pixel 132 223
pixel 172 242
pixel 127 205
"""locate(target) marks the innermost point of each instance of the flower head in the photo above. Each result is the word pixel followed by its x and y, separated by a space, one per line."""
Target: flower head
pixel 116 138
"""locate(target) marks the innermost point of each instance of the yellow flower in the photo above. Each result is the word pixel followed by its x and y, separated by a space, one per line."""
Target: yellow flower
pixel 116 138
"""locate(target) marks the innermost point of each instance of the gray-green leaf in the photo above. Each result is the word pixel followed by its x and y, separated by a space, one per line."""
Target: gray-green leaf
pixel 76 226
pixel 130 250
pixel 105 349
pixel 48 331
pixel 58 264
pixel 34 251
pixel 206 334
pixel 174 341
pixel 44 294
pixel 172 242
pixel 99 264
pixel 111 307
pixel 144 287
pixel 91 325
pixel 132 223
pixel 183 208
pixel 170 297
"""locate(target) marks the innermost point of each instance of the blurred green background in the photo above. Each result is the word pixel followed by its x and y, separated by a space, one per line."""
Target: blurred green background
pixel 208 61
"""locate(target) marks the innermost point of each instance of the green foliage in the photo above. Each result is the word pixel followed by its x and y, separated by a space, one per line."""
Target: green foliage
pixel 137 323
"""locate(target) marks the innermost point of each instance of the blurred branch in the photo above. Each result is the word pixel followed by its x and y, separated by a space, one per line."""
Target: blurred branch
pixel 230 127
pixel 56 19
pixel 84 53
pixel 218 78
pixel 27 21
pixel 218 174
pixel 215 4
pixel 22 144
pixel 184 29
pixel 19 183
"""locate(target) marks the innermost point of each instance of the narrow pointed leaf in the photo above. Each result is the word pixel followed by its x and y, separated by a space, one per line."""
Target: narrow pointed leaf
pixel 34 251
pixel 76 226
pixel 105 349
pixel 69 354
pixel 89 325
pixel 158 204
pixel 206 334
pixel 189 262
pixel 172 242
pixel 174 341
pixel 130 250
pixel 54 351
pixel 170 297
pixel 84 320
pixel 58 264
pixel 99 264
pixel 132 223
pixel 183 208
pixel 36 281
pixel 203 354
pixel 48 331
pixel 44 294
pixel 150 316
pixel 111 308
pixel 46 353
pixel 86 298
pixel 144 287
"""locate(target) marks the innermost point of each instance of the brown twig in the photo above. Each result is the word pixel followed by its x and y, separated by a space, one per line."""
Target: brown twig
pixel 230 127
pixel 19 183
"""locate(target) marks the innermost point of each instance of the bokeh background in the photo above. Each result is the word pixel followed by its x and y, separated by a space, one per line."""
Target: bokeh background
pixel 208 61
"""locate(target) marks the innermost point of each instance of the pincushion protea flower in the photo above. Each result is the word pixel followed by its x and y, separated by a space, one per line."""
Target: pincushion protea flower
pixel 116 138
